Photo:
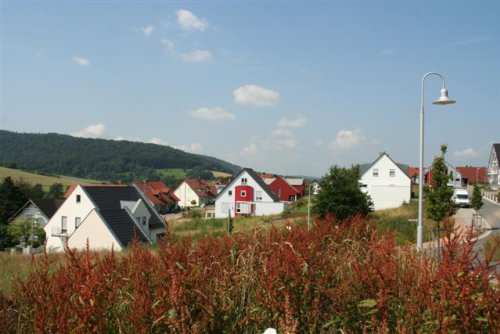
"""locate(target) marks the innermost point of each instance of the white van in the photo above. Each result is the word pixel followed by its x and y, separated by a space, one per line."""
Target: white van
pixel 461 198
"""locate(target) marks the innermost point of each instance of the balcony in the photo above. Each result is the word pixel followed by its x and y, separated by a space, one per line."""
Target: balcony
pixel 57 231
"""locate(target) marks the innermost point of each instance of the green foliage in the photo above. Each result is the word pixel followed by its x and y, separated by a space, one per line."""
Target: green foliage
pixel 340 194
pixel 200 172
pixel 11 199
pixel 98 158
pixel 477 198
pixel 56 191
pixel 26 233
pixel 439 203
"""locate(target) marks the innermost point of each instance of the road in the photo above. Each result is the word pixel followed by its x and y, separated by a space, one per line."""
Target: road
pixel 491 213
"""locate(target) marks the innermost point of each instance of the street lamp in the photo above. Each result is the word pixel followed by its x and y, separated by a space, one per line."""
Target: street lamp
pixel 442 100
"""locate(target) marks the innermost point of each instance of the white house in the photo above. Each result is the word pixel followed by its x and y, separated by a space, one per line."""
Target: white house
pixel 38 211
pixel 195 192
pixel 247 194
pixel 386 183
pixel 105 216
pixel 494 167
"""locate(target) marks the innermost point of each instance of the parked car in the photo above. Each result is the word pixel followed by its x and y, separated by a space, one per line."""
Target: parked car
pixel 461 198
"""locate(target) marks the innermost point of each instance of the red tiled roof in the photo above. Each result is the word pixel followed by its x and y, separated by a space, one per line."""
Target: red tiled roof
pixel 202 188
pixel 413 171
pixel 474 174
pixel 157 192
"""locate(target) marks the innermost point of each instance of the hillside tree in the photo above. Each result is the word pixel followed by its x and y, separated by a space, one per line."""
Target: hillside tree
pixel 340 194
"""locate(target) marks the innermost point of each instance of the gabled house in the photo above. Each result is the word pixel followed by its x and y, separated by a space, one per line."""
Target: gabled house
pixel 386 182
pixel 159 195
pixel 247 194
pixel 195 192
pixel 37 211
pixel 494 167
pixel 298 184
pixel 105 216
pixel 283 190
pixel 471 175
pixel 455 178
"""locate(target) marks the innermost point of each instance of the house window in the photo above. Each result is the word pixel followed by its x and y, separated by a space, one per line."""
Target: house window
pixel 392 172
pixel 243 193
pixel 230 193
pixel 78 198
pixel 238 208
pixel 375 172
pixel 243 180
pixel 143 220
pixel 64 224
pixel 78 221
pixel 258 195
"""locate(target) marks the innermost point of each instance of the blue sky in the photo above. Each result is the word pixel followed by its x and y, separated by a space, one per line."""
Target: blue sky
pixel 284 87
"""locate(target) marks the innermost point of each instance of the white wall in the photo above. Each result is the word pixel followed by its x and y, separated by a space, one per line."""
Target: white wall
pixel 185 195
pixel 266 206
pixel 96 232
pixel 71 210
pixel 386 191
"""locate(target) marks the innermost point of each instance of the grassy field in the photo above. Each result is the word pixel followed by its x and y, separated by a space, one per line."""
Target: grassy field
pixel 172 173
pixel 398 220
pixel 44 180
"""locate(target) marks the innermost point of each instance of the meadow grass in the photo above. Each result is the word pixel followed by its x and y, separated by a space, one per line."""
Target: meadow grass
pixel 172 173
pixel 44 180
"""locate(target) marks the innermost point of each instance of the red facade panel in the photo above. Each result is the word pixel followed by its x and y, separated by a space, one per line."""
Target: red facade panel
pixel 243 199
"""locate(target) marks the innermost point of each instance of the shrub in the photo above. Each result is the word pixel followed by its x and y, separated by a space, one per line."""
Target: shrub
pixel 333 277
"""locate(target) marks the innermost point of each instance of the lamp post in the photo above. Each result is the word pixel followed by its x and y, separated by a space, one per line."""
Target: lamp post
pixel 443 100
pixel 309 206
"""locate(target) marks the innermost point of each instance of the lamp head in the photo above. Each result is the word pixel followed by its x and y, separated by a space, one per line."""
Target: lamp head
pixel 444 99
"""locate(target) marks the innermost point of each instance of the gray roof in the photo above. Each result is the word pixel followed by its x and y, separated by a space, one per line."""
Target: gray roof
pixel 496 147
pixel 48 206
pixel 108 201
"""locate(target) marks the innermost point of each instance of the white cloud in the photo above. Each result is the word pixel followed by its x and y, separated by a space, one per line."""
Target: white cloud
pixel 348 139
pixel 192 148
pixel 196 56
pixel 250 150
pixel 470 41
pixel 466 153
pixel 292 123
pixel 281 133
pixel 158 141
pixel 169 45
pixel 387 52
pixel 91 131
pixel 147 31
pixel 256 96
pixel 188 21
pixel 81 61
pixel 212 114
pixel 318 143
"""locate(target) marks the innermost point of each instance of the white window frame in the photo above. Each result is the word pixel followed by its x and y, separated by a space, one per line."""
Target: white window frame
pixel 375 172
pixel 243 193
pixel 392 172
pixel 78 222
pixel 64 224
pixel 244 180
pixel 258 195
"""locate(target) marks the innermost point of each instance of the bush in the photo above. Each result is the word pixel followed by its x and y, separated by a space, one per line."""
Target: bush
pixel 334 277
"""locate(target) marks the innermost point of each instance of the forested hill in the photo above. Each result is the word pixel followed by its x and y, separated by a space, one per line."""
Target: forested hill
pixel 98 158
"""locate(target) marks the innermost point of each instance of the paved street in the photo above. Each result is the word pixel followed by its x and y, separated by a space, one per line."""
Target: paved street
pixel 491 213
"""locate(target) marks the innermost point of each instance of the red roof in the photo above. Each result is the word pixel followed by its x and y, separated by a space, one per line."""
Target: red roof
pixel 157 192
pixel 413 171
pixel 202 188
pixel 474 174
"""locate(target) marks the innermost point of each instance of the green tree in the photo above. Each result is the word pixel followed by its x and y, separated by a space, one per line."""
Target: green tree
pixel 56 191
pixel 477 198
pixel 439 203
pixel 341 195
pixel 26 232
pixel 11 199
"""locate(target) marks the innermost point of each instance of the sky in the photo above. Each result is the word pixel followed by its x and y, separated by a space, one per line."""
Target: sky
pixel 288 87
